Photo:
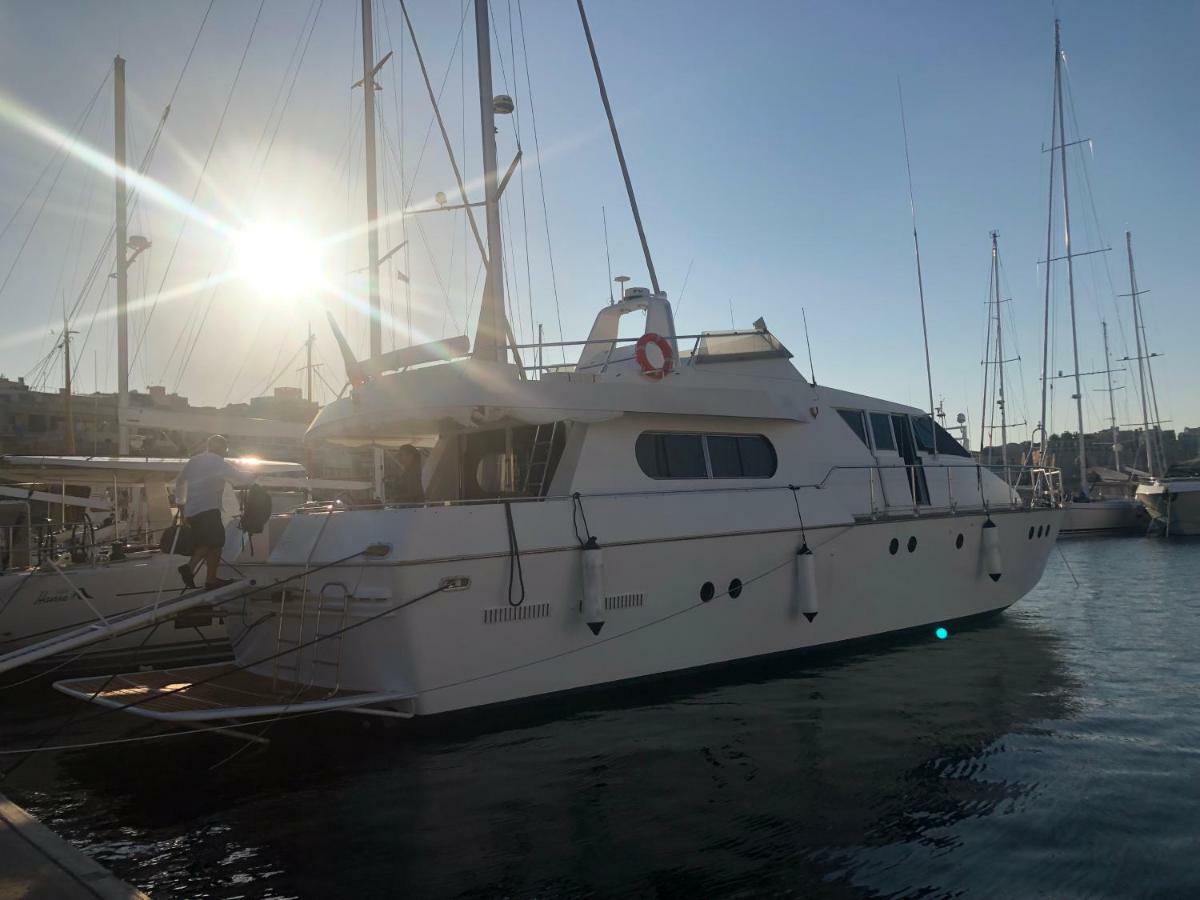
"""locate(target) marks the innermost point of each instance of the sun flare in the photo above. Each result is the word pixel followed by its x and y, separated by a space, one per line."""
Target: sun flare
pixel 278 260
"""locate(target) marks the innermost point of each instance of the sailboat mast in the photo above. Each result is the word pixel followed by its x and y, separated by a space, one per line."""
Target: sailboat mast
pixel 984 406
pixel 68 412
pixel 1142 361
pixel 1000 356
pixel 308 363
pixel 492 329
pixel 122 239
pixel 1112 406
pixel 368 85
pixel 1062 157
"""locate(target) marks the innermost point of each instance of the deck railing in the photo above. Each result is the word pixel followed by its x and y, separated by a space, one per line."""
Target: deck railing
pixel 883 490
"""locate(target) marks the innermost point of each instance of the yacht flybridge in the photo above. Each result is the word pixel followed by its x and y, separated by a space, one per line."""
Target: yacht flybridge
pixel 666 502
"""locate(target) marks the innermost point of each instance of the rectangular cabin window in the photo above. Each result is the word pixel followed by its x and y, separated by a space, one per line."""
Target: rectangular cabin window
pixel 881 429
pixel 854 418
pixel 947 444
pixel 675 455
pixel 923 431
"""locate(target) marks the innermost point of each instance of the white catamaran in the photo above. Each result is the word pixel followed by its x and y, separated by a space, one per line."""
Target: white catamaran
pixel 667 502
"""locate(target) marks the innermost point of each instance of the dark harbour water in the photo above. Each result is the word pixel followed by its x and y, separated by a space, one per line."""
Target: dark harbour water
pixel 1053 751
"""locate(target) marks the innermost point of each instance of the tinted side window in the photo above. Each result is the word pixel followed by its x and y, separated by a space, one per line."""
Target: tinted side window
pixel 668 455
pixel 881 428
pixel 946 443
pixel 685 456
pixel 650 456
pixel 854 418
pixel 723 456
pixel 923 429
pixel 758 456
pixel 671 455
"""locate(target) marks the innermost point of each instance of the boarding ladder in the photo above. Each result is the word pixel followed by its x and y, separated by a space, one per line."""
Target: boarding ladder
pixel 538 468
pixel 325 642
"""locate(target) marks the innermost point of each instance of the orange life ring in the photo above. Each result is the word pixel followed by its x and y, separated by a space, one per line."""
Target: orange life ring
pixel 648 368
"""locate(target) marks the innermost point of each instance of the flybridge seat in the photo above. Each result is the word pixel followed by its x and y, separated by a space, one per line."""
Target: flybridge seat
pixel 217 692
pixel 123 623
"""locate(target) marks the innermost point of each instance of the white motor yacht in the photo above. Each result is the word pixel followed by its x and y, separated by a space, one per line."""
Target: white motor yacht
pixel 601 524
pixel 1173 501
pixel 664 503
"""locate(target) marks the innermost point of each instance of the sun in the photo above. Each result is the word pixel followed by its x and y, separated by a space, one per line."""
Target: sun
pixel 278 260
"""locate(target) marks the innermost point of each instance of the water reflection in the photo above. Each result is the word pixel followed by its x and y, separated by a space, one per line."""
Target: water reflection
pixel 785 777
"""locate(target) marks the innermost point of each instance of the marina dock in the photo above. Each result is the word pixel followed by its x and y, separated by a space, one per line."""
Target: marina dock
pixel 36 864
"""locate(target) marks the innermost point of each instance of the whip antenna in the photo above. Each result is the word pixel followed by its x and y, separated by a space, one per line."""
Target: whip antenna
pixel 811 370
pixel 912 206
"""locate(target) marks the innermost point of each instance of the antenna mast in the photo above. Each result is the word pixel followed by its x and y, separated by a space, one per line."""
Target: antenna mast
pixel 607 255
pixel 920 282
pixel 811 370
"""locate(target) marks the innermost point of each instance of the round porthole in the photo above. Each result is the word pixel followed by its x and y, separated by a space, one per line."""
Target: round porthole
pixel 893 546
pixel 707 591
pixel 1031 532
pixel 958 542
pixel 735 588
pixel 912 544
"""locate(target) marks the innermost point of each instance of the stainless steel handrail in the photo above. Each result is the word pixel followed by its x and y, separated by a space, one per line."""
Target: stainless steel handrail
pixel 954 503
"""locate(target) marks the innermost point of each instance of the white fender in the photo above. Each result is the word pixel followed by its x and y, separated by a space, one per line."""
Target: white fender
pixel 991 550
pixel 807 601
pixel 593 585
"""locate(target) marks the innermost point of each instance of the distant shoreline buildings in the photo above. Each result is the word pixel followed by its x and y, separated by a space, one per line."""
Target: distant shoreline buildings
pixel 34 422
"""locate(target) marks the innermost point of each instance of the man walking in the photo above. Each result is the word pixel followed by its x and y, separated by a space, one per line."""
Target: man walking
pixel 198 492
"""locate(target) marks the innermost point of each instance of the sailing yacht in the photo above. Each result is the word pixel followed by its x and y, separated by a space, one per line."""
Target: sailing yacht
pixel 665 503
pixel 1085 514
pixel 1170 494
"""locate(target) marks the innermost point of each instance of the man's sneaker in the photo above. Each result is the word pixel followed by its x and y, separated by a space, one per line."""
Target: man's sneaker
pixel 185 572
pixel 217 583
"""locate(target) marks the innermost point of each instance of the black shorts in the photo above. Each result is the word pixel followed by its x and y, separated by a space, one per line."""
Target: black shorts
pixel 208 531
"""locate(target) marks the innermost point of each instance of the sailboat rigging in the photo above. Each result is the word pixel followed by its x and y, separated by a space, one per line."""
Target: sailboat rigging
pixel 1085 514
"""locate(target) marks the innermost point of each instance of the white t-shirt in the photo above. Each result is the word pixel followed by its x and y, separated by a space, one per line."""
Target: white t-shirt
pixel 201 484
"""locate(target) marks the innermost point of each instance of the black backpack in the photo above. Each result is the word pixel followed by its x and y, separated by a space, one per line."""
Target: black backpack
pixel 256 509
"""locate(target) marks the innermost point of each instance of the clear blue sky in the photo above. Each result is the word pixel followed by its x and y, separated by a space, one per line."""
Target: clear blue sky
pixel 765 144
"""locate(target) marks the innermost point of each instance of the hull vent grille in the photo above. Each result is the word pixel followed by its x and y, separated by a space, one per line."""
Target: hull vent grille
pixel 624 601
pixel 522 613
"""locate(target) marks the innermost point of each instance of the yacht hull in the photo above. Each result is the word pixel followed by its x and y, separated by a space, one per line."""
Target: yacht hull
pixel 1113 516
pixel 1175 505
pixel 484 640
